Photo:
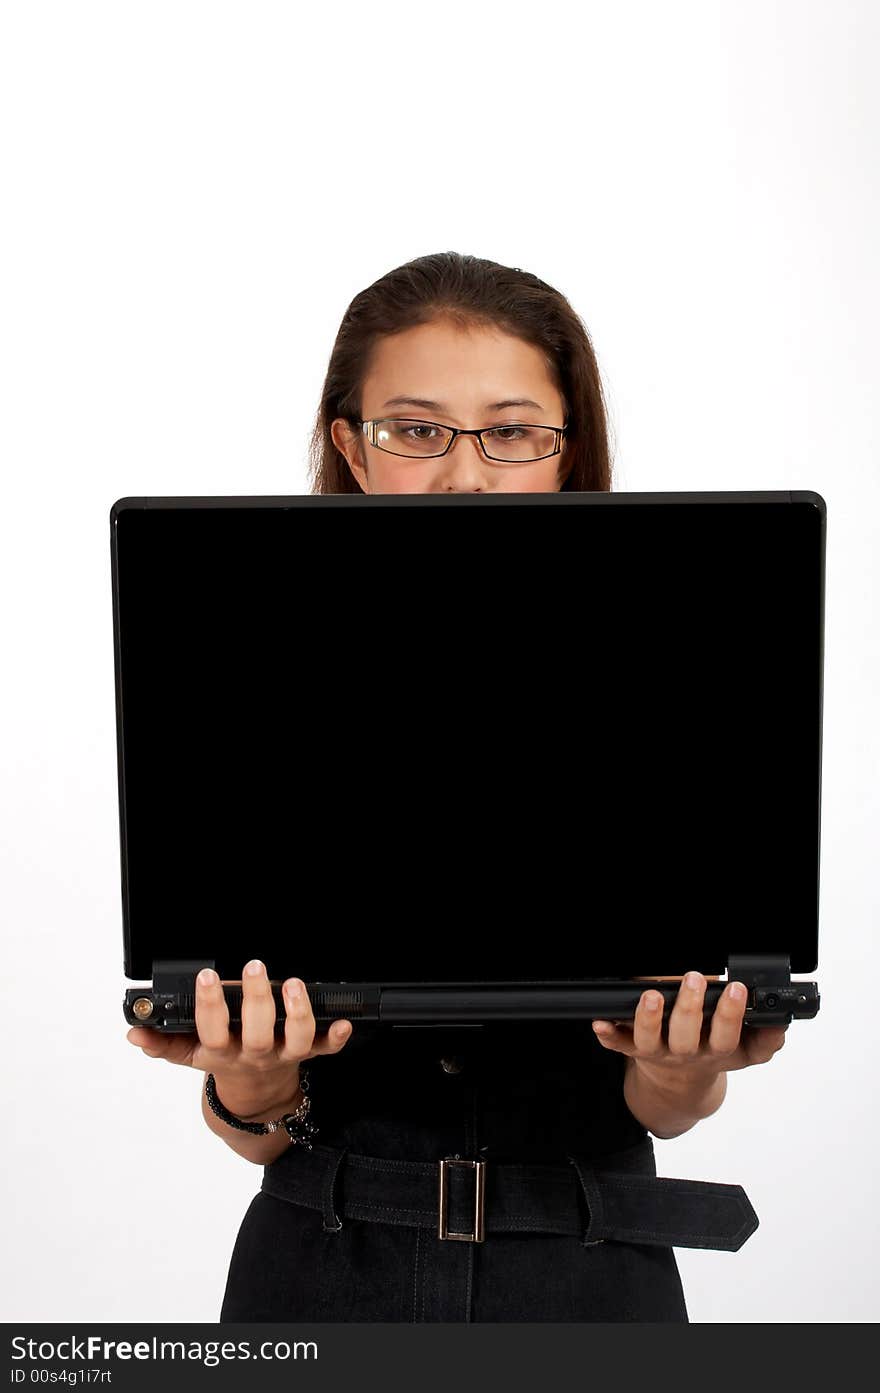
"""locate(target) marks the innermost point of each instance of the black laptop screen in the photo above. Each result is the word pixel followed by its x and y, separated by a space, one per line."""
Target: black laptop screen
pixel 401 738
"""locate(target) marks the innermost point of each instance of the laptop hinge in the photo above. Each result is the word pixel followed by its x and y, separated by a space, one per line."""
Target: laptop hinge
pixel 773 998
pixel 173 975
pixel 169 1004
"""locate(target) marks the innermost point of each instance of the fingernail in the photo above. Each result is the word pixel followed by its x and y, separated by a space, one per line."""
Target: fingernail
pixel 254 967
pixel 652 1002
pixel 692 980
pixel 601 1027
pixel 736 991
pixel 294 990
pixel 207 977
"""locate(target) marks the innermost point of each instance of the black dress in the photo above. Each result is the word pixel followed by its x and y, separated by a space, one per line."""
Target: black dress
pixel 518 1093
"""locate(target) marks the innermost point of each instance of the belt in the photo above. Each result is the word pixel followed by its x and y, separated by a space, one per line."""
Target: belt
pixel 600 1200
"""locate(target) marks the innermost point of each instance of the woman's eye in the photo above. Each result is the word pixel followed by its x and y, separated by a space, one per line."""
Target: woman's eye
pixel 503 432
pixel 411 429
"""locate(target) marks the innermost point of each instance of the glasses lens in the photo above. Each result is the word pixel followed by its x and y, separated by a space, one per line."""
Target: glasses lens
pixel 517 443
pixel 417 438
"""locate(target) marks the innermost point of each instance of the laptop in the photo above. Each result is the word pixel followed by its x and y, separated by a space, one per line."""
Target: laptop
pixel 453 759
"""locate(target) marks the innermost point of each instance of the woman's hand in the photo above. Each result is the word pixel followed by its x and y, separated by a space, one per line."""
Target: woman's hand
pixel 691 1046
pixel 255 1069
pixel 674 1080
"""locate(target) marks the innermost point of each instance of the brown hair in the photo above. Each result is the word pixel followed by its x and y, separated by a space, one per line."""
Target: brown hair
pixel 469 290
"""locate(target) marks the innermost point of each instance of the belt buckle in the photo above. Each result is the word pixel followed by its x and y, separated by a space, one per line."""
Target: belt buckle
pixel 479 1167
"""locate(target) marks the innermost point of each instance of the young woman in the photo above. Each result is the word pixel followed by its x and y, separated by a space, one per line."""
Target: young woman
pixel 456 374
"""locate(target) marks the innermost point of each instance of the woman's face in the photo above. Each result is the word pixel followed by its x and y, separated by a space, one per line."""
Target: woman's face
pixel 454 377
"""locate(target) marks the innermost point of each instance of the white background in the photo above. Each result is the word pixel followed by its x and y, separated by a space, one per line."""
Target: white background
pixel 192 194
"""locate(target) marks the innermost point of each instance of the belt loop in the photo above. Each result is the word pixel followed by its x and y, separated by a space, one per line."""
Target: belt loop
pixel 595 1208
pixel 332 1222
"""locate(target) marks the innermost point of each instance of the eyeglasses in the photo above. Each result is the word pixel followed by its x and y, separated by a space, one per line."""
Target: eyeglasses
pixel 508 444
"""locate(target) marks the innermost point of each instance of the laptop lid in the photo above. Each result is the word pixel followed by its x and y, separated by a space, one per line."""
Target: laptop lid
pixel 519 738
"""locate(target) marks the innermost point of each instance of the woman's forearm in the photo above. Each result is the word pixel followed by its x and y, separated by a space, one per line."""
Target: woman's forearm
pixel 262 1150
pixel 669 1108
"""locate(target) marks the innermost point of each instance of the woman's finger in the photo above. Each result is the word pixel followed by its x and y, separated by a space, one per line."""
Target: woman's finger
pixel 212 1013
pixel 727 1019
pixel 614 1037
pixel 330 1041
pixel 647 1025
pixel 258 1012
pixel 177 1048
pixel 686 1018
pixel 761 1043
pixel 299 1023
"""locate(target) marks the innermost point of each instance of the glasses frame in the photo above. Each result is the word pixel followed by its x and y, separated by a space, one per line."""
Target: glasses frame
pixel 369 430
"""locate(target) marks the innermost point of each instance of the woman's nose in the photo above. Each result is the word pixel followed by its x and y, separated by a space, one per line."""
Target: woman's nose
pixel 464 443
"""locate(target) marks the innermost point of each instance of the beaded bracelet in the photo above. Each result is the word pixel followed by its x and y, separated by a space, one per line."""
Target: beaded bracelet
pixel 296 1123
